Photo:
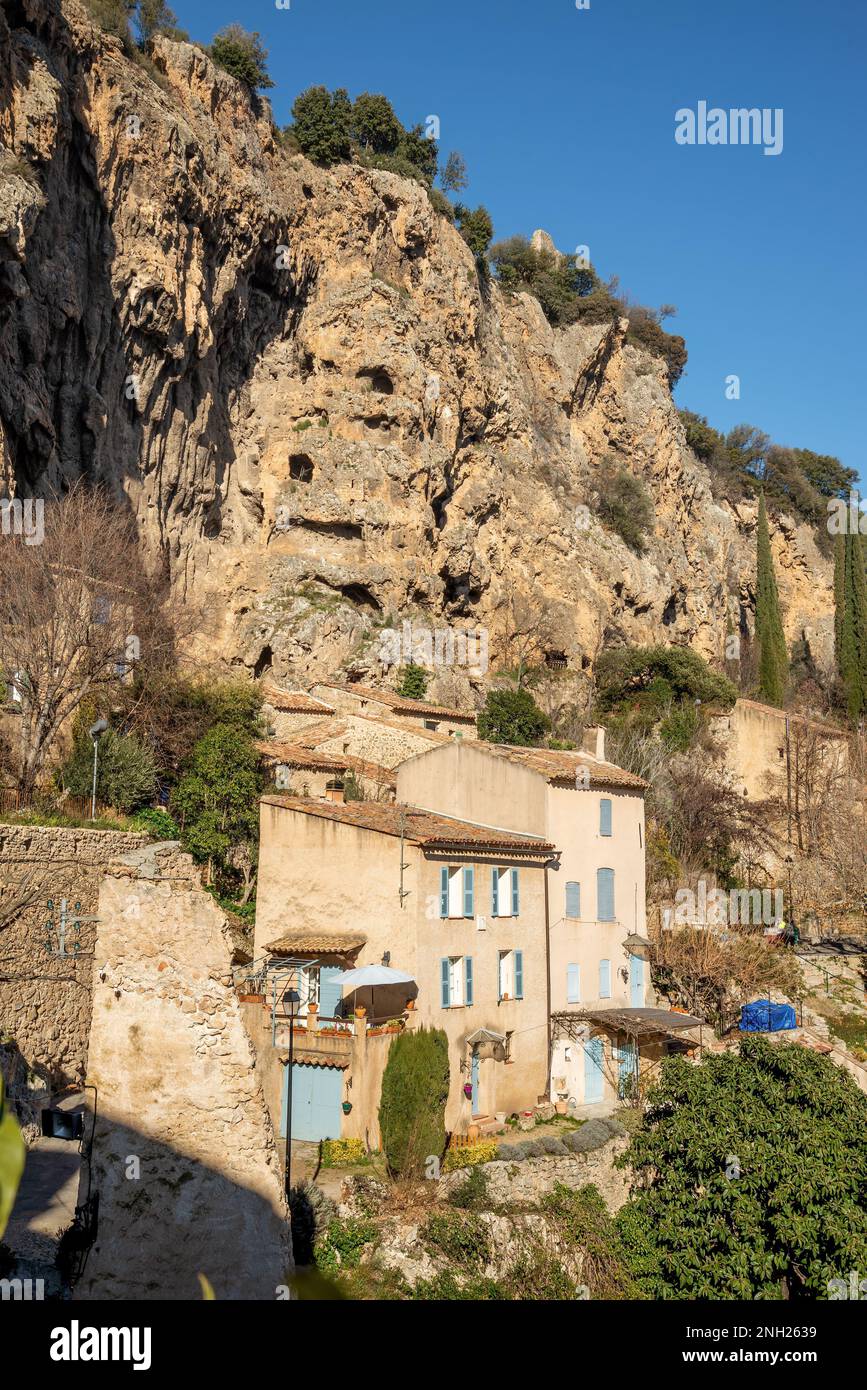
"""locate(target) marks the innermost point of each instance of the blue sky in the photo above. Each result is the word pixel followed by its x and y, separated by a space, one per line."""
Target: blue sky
pixel 566 120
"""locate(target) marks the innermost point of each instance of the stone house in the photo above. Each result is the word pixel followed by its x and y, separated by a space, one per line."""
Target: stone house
pixel 352 698
pixel 457 906
pixel 593 812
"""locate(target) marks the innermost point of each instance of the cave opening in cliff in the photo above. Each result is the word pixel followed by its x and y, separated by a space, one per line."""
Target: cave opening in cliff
pixel 264 663
pixel 379 380
pixel 301 468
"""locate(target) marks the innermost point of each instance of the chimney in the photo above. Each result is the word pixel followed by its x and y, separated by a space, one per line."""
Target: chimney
pixel 334 791
pixel 593 742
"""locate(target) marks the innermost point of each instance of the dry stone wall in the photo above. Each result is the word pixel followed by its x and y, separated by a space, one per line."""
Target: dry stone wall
pixel 44 999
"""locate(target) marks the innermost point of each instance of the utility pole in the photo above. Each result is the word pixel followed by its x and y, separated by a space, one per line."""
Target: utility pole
pixel 293 998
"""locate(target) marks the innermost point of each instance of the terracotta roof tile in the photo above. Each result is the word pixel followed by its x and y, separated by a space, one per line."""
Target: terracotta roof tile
pixel 423 828
pixel 561 765
pixel 400 704
pixel 299 756
pixel 307 939
pixel 295 701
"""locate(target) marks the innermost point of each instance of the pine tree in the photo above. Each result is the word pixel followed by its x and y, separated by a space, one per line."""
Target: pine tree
pixel 773 657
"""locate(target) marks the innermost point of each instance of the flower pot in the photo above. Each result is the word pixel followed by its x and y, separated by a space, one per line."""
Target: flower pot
pixel 561 1106
pixel 346 1107
pixel 505 998
pixel 410 1005
pixel 473 1133
pixel 360 1011
pixel 251 998
pixel 468 1091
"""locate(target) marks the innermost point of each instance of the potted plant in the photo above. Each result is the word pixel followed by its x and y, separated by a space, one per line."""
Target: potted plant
pixel 346 1106
pixel 410 1005
pixel 468 1090
pixel 361 1011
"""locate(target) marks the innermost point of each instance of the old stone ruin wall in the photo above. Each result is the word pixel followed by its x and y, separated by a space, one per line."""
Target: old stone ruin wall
pixel 184 1155
pixel 45 1000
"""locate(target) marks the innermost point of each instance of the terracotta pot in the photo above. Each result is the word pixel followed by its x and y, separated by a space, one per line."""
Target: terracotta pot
pixel 561 1106
pixel 410 1005
pixel 473 1133
pixel 361 1011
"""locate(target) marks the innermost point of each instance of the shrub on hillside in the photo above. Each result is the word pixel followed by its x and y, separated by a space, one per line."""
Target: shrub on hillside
pixel 415 1087
pixel 668 673
pixel 511 716
pixel 413 682
pixel 243 55
pixel 126 775
pixel 476 228
pixel 623 504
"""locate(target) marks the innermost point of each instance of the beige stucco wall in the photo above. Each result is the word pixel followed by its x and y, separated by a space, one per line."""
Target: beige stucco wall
pixel 466 781
pixel 184 1157
pixel 754 738
pixel 318 873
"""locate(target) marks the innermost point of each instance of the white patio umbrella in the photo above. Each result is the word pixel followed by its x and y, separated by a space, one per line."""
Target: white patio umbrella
pixel 371 976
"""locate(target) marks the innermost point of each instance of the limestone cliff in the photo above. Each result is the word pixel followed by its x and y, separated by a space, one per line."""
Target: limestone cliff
pixel 323 420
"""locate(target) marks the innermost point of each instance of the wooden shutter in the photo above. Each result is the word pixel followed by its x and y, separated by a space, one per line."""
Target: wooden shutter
pixel 605 895
pixel 495 892
pixel 468 979
pixel 573 984
pixel 573 899
pixel 516 902
pixel 519 974
pixel 469 892
pixel 445 989
pixel 605 816
pixel 605 979
pixel 444 891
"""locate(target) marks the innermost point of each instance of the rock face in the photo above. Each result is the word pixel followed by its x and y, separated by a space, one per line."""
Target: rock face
pixel 321 417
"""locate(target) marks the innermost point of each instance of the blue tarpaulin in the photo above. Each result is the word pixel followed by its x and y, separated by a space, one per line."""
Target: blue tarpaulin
pixel 764 1017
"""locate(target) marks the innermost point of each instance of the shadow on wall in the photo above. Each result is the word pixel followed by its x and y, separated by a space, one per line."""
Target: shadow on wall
pixel 165 1218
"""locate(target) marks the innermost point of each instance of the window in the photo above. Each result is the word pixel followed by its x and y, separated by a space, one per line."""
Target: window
pixel 605 816
pixel 456 981
pixel 605 979
pixel 573 899
pixel 431 724
pixel 605 895
pixel 511 975
pixel 457 891
pixel 505 894
pixel 573 984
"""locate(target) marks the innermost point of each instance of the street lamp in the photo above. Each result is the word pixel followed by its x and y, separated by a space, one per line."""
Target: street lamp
pixel 292 997
pixel 96 732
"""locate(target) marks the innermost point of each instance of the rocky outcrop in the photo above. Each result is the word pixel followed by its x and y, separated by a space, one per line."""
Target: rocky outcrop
pixel 321 417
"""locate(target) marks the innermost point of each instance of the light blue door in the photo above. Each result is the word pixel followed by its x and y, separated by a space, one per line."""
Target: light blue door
pixel 474 1078
pixel 593 1079
pixel 636 982
pixel 329 990
pixel 316 1098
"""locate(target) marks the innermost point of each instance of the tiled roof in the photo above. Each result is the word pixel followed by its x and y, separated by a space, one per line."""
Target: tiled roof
pixel 295 701
pixel 561 765
pixel 400 704
pixel 311 759
pixel 820 726
pixel 423 828
pixel 307 940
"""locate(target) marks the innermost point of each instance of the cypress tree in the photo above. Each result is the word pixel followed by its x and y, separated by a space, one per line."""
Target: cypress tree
pixel 839 597
pixel 852 658
pixel 773 657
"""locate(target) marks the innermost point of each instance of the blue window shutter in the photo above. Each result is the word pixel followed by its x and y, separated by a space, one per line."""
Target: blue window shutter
pixel 444 891
pixel 519 974
pixel 468 979
pixel 516 902
pixel 605 979
pixel 445 999
pixel 573 984
pixel 605 895
pixel 468 890
pixel 573 899
pixel 495 892
pixel 605 816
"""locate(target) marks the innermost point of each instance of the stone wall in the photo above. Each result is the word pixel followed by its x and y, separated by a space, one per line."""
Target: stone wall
pixel 45 1000
pixel 184 1157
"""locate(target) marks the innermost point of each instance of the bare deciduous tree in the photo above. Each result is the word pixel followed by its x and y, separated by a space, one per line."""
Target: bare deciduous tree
pixel 76 612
